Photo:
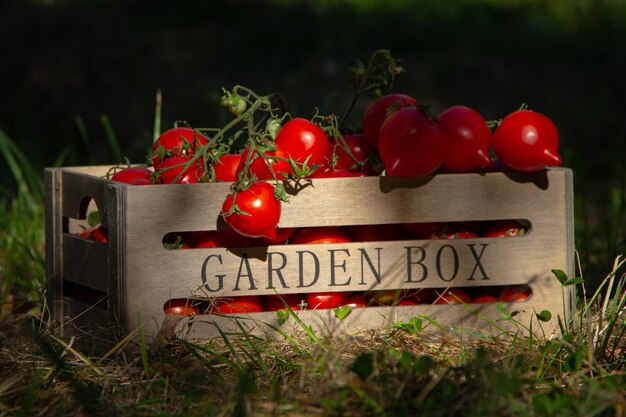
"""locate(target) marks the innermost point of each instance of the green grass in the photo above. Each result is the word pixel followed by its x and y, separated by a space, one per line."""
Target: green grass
pixel 394 372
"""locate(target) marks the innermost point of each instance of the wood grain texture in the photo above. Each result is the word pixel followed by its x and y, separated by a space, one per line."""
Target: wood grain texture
pixel 143 275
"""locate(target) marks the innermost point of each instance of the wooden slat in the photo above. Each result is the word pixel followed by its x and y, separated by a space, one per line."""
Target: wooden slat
pixel 86 262
pixel 143 275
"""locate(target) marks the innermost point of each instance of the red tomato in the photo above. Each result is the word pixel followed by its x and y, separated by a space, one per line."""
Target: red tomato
pixel 470 140
pixel 278 161
pixel 504 228
pixel 301 139
pixel 314 235
pixel 179 141
pixel 323 300
pixel 452 296
pixel 236 305
pixel 283 234
pixel 376 232
pixel 180 307
pixel 410 144
pixel 484 299
pixel 360 149
pixel 175 167
pixel 259 211
pixel 217 239
pixel 274 303
pixel 226 167
pixel 527 141
pixel 133 175
pixel 98 233
pixel 354 300
pixel 376 113
pixel 515 294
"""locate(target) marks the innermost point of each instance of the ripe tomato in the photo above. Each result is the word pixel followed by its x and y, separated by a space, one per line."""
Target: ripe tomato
pixel 354 300
pixel 179 141
pixel 360 149
pixel 283 234
pixel 239 304
pixel 278 162
pixel 180 307
pixel 217 239
pixel 376 113
pixel 485 298
pixel 321 300
pixel 527 141
pixel 98 233
pixel 274 303
pixel 175 167
pixel 226 167
pixel 300 139
pixel 515 294
pixel 453 296
pixel 314 235
pixel 470 140
pixel 410 144
pixel 259 211
pixel 133 175
pixel 504 228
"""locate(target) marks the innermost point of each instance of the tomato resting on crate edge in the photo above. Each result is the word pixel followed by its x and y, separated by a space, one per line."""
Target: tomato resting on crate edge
pixel 527 141
pixel 410 144
pixel 377 112
pixel 259 211
pixel 134 176
pixel 302 139
pixel 469 140
pixel 178 141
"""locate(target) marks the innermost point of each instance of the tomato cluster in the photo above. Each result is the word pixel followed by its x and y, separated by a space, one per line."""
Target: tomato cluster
pixel 457 140
pixel 398 137
pixel 327 300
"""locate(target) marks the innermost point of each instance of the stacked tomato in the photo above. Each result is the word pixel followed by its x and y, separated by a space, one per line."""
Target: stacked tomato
pixel 398 138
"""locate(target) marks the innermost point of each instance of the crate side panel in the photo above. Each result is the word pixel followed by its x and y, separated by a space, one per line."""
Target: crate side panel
pixel 54 256
pixel 87 262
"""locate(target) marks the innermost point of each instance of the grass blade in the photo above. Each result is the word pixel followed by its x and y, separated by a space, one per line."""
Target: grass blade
pixel 112 138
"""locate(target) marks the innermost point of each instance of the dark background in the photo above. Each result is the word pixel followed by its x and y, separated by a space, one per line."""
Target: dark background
pixel 68 61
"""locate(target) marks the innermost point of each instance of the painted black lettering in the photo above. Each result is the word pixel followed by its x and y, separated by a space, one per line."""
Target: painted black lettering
pixel 278 270
pixel 316 268
pixel 410 262
pixel 334 266
pixel 205 279
pixel 375 269
pixel 245 263
pixel 455 263
pixel 479 265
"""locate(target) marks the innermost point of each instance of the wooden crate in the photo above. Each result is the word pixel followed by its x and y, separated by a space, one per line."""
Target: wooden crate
pixel 133 275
